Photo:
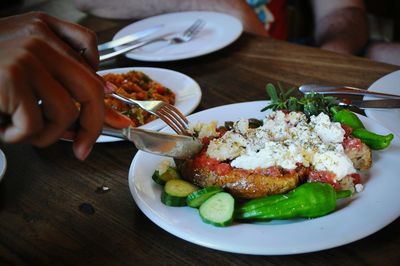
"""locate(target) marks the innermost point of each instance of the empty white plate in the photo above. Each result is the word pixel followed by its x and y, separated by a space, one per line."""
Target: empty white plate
pixel 219 31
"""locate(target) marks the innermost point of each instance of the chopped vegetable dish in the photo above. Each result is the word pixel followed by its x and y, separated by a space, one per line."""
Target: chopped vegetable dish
pixel 137 85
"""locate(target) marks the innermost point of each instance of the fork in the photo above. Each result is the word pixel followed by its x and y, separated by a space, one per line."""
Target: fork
pixel 165 111
pixel 177 38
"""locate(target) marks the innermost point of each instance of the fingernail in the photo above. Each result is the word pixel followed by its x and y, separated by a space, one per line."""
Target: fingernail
pixel 109 87
pixel 83 153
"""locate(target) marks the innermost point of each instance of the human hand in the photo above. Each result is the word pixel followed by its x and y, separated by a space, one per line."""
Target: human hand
pixel 41 63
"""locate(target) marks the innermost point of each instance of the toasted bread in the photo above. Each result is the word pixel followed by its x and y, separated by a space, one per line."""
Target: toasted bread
pixel 240 183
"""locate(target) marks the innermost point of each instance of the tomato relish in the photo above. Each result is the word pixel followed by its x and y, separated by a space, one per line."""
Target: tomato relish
pixel 138 86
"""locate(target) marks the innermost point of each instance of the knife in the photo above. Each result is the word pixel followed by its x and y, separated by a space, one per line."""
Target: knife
pixel 129 38
pixel 382 104
pixel 171 145
pixel 322 89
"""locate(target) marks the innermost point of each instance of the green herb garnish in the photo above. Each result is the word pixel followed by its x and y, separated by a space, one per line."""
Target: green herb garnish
pixel 310 104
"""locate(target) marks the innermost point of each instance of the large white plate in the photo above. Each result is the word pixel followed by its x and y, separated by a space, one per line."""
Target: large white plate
pixel 188 92
pixel 364 214
pixel 388 118
pixel 219 31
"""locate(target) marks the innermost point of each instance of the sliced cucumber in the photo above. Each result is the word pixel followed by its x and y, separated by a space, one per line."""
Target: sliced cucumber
pixel 169 174
pixel 218 209
pixel 176 191
pixel 196 198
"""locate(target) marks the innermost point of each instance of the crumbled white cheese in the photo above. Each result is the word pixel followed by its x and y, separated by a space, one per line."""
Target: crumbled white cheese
pixel 274 153
pixel 328 131
pixel 241 126
pixel 229 146
pixel 335 162
pixel 163 166
pixel 359 188
pixel 204 129
pixel 285 140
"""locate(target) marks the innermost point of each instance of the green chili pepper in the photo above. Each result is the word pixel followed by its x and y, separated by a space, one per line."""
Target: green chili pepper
pixel 309 200
pixel 346 117
pixel 373 140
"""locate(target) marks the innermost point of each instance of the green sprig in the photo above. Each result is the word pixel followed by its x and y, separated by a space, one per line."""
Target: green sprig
pixel 311 104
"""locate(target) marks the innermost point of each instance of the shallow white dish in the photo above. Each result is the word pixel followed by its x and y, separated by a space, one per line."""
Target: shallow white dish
pixel 219 31
pixel 388 118
pixel 378 204
pixel 188 92
pixel 3 164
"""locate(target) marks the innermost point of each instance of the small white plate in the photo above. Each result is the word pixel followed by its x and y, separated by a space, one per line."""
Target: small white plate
pixel 367 212
pixel 187 91
pixel 219 31
pixel 3 164
pixel 389 118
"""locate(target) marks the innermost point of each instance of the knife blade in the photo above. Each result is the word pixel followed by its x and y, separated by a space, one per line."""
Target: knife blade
pixel 171 145
pixel 377 104
pixel 129 38
pixel 322 89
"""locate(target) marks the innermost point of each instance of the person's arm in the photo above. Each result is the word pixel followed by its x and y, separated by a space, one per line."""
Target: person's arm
pixel 138 9
pixel 340 25
pixel 47 66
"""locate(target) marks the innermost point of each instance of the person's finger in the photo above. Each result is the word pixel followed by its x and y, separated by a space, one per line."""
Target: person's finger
pixel 19 102
pixel 84 86
pixel 58 107
pixel 115 119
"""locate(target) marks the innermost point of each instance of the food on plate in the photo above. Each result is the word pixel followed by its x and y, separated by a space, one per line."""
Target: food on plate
pixel 139 86
pixel 287 150
pixel 165 172
pixel 295 163
pixel 309 200
pixel 197 198
pixel 176 191
pixel 218 209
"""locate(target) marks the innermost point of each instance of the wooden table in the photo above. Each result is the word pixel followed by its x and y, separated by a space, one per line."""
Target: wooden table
pixel 51 209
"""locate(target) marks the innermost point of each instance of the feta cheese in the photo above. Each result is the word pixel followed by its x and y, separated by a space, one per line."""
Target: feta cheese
pixel 204 129
pixel 163 166
pixel 229 146
pixel 359 187
pixel 326 130
pixel 335 162
pixel 274 153
pixel 241 126
pixel 285 140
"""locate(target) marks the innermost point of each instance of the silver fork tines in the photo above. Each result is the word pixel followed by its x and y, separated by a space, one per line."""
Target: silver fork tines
pixel 165 111
pixel 182 37
pixel 188 34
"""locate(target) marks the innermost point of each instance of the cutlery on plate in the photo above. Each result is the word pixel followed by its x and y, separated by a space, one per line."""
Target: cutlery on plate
pixel 343 90
pixel 181 37
pixel 377 104
pixel 165 111
pixel 171 145
pixel 129 38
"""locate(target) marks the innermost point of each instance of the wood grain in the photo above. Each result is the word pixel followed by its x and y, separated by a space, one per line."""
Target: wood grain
pixel 40 219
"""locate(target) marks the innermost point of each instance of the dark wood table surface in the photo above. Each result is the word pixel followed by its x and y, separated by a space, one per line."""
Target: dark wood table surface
pixel 51 210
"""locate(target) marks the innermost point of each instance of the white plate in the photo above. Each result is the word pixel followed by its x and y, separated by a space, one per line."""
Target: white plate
pixel 3 164
pixel 188 92
pixel 366 213
pixel 388 118
pixel 219 31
